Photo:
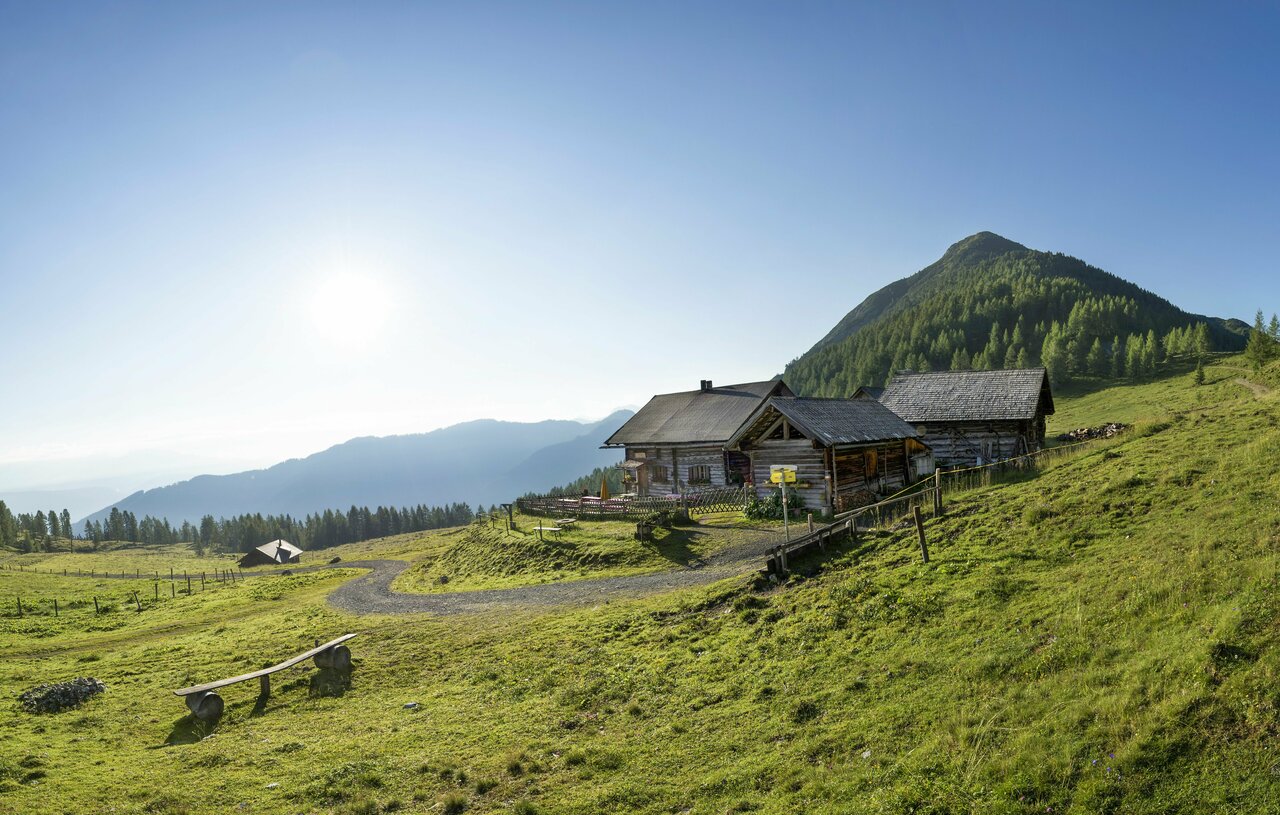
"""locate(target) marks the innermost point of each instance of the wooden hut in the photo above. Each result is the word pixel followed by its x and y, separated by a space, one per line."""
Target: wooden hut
pixel 676 442
pixel 974 417
pixel 847 452
pixel 277 551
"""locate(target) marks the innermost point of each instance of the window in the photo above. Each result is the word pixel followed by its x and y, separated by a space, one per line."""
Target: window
pixel 700 474
pixel 659 473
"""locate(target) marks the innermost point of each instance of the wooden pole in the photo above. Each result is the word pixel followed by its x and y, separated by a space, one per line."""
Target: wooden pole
pixel 810 523
pixel 924 547
pixel 137 602
pixel 55 606
pixel 173 590
pixel 188 585
pixel 202 581
pixel 19 599
pixel 937 490
pixel 96 609
pixel 156 586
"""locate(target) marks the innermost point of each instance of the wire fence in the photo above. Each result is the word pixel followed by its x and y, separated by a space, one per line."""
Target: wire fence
pixel 180 585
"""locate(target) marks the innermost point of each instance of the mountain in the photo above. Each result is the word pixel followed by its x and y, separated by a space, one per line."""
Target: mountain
pixel 990 302
pixel 484 461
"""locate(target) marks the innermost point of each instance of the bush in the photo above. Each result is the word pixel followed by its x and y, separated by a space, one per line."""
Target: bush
pixel 454 804
pixel 770 508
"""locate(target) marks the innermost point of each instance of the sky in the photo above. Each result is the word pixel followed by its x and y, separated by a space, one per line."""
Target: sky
pixel 236 233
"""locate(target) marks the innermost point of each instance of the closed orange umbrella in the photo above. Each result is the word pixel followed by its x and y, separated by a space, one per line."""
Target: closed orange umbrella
pixel 604 489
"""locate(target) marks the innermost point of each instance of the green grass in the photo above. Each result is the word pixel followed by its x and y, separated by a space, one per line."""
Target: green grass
pixel 487 555
pixel 1099 639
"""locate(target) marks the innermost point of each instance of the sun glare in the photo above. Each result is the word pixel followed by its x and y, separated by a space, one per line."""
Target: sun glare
pixel 350 309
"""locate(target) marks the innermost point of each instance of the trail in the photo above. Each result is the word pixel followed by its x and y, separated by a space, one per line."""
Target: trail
pixel 1258 390
pixel 372 593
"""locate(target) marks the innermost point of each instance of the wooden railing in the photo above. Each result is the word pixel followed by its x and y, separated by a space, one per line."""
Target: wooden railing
pixel 847 525
pixel 623 508
pixel 984 475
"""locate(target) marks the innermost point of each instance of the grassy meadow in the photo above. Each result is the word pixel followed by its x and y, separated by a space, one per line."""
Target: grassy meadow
pixel 1097 639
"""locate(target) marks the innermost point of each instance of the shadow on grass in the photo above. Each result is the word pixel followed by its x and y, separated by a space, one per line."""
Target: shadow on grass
pixel 677 546
pixel 329 682
pixel 188 730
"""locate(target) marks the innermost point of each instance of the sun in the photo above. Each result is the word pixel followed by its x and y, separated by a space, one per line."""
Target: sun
pixel 350 309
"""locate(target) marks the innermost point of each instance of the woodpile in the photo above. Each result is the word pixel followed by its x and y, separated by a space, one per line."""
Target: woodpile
pixel 1105 431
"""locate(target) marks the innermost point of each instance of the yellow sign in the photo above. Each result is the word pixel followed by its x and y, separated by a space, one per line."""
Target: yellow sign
pixel 779 473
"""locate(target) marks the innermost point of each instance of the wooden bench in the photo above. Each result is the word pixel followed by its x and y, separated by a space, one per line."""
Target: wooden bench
pixel 207 705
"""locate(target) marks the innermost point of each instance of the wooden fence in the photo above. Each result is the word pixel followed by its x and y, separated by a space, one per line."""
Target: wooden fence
pixel 847 525
pixel 984 475
pixel 625 508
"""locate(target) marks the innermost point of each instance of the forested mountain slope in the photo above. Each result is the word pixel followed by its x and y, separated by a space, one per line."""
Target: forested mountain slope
pixel 484 461
pixel 990 303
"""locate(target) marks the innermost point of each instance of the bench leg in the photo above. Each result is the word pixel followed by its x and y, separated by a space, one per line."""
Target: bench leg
pixel 206 706
pixel 265 681
pixel 337 658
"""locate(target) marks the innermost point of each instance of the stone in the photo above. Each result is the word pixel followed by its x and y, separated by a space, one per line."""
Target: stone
pixel 410 705
pixel 61 696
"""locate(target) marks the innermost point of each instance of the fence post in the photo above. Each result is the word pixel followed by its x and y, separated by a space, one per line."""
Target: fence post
pixel 19 599
pixel 137 602
pixel 55 606
pixel 937 490
pixel 96 609
pixel 810 523
pixel 924 547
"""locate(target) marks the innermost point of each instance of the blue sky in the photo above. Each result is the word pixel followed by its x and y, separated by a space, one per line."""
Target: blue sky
pixel 240 232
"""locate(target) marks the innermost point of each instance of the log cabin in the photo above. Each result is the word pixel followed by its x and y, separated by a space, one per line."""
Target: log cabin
pixel 974 417
pixel 277 551
pixel 676 442
pixel 847 452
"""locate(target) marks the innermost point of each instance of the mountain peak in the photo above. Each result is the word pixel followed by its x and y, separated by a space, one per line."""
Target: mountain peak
pixel 980 246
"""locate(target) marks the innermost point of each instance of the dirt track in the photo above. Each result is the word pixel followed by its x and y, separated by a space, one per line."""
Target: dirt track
pixel 372 593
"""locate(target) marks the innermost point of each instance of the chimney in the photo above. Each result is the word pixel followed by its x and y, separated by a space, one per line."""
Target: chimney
pixel 705 384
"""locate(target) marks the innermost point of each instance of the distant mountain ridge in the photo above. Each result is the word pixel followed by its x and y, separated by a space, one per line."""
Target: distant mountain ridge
pixel 484 461
pixel 985 296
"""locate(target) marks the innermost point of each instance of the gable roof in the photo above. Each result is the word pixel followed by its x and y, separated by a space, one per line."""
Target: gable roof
pixel 281 551
pixel 830 421
pixel 966 396
pixel 702 416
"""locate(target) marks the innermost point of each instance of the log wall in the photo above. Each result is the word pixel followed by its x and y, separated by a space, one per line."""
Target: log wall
pixel 679 461
pixel 810 465
pixel 964 444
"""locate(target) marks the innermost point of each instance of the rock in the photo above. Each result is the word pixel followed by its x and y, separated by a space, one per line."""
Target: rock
pixel 286 572
pixel 410 705
pixel 1106 431
pixel 273 785
pixel 335 559
pixel 60 696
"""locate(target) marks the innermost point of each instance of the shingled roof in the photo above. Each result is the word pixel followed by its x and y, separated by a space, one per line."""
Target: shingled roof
pixel 968 396
pixel 707 416
pixel 830 421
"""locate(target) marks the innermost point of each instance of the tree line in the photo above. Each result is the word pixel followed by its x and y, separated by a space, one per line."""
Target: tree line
pixel 1018 310
pixel 1264 341
pixel 240 533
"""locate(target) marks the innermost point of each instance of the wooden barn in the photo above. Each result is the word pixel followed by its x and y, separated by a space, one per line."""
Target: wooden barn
pixel 974 417
pixel 848 452
pixel 676 442
pixel 277 551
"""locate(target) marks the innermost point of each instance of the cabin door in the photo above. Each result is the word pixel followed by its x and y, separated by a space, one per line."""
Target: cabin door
pixel 642 480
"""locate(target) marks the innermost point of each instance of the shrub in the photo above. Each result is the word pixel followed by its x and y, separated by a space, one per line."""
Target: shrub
pixel 770 508
pixel 454 804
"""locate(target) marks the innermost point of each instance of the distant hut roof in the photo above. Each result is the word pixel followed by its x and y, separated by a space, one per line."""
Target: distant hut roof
pixel 868 392
pixel 281 551
pixel 707 415
pixel 966 396
pixel 832 422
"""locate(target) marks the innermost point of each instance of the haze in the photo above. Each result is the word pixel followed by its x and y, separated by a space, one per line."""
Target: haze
pixel 237 233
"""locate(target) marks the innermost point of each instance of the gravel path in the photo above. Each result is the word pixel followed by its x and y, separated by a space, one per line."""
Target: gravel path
pixel 372 593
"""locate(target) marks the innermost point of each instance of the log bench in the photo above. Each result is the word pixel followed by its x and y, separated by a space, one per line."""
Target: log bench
pixel 207 705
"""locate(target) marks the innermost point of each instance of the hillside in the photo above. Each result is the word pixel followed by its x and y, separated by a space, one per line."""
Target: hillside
pixel 1098 639
pixel 483 461
pixel 989 303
